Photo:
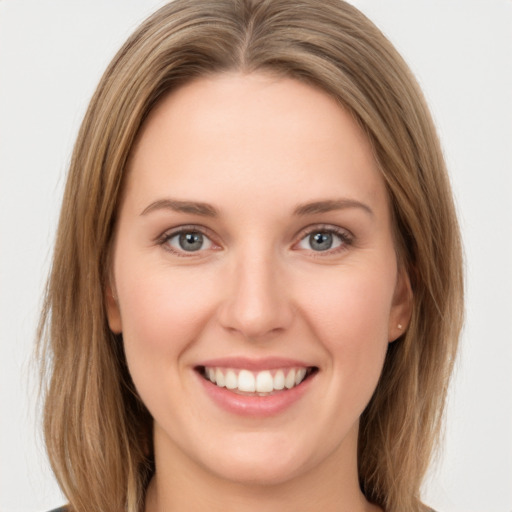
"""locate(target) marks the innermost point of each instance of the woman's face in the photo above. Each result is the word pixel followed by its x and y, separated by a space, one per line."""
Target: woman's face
pixel 255 278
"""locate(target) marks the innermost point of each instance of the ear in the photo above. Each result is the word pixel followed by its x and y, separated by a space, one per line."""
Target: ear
pixel 401 308
pixel 113 312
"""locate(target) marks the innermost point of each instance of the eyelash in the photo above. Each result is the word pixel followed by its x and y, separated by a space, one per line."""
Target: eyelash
pixel 345 237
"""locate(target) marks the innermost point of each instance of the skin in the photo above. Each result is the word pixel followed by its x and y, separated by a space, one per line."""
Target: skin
pixel 255 147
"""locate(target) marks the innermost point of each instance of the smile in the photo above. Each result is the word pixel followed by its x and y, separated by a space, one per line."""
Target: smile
pixel 259 383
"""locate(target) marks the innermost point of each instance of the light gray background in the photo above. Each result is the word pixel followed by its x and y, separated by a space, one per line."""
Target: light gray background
pixel 52 54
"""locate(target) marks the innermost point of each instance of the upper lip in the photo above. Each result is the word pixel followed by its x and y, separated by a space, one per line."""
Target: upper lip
pixel 254 364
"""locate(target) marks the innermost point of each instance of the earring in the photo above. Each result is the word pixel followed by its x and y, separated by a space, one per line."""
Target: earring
pixel 400 326
pixel 113 294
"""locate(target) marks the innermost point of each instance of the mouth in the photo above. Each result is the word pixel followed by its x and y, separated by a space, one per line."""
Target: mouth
pixel 256 383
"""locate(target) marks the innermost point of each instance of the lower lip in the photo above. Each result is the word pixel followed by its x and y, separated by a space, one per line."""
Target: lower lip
pixel 252 405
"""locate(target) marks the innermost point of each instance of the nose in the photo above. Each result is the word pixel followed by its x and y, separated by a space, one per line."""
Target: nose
pixel 256 302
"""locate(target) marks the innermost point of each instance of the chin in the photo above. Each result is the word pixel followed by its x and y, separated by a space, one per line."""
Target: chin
pixel 259 473
pixel 262 462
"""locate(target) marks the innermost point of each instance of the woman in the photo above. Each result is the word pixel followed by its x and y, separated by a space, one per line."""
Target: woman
pixel 256 292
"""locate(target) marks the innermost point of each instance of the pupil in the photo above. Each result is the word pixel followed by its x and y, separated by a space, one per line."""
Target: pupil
pixel 321 241
pixel 191 241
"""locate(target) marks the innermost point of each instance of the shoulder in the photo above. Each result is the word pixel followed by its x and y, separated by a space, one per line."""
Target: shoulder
pixel 60 509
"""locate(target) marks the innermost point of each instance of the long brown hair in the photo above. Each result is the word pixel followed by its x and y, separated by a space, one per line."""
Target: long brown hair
pixel 98 433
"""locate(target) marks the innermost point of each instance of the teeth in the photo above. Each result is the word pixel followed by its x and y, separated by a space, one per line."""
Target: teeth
pixel 299 376
pixel 246 381
pixel 289 381
pixel 263 382
pixel 279 380
pixel 219 378
pixel 231 380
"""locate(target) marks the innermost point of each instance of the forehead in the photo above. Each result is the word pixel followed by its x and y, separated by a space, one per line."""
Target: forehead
pixel 256 134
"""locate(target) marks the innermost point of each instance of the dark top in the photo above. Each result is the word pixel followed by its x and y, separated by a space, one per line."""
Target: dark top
pixel 64 509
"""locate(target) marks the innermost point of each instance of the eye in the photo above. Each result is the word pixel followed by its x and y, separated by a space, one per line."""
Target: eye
pixel 187 241
pixel 322 240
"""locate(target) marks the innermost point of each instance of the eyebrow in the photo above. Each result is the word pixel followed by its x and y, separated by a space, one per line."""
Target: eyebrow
pixel 193 207
pixel 207 210
pixel 330 205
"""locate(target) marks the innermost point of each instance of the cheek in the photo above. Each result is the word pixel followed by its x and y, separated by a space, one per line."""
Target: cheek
pixel 350 316
pixel 162 312
pixel 356 301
